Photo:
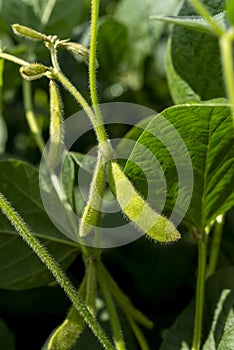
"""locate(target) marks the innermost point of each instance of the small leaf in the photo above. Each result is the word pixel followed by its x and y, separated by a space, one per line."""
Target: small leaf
pixel 28 32
pixel 34 71
pixel 138 210
pixel 194 22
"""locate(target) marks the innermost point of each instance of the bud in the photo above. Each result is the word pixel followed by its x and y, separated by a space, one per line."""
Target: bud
pixel 28 33
pixel 77 50
pixel 34 71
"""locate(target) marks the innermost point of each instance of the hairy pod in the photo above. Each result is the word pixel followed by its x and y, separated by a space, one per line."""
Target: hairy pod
pixel 56 130
pixel 138 210
pixel 34 71
pixel 28 33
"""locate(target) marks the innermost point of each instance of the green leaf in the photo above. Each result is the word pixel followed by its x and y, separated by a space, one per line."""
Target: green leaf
pixel 218 317
pixel 194 22
pixel 206 131
pixel 6 337
pixel 20 268
pixel 180 91
pixel 143 33
pixel 196 56
pixel 112 45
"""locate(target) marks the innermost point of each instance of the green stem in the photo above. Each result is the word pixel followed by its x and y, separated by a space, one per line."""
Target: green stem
pixel 200 291
pixel 114 319
pixel 99 128
pixel 92 57
pixel 225 42
pixel 124 301
pixel 54 268
pixel 138 334
pixel 206 15
pixel 91 287
pixel 14 59
pixel 215 247
pixel 30 116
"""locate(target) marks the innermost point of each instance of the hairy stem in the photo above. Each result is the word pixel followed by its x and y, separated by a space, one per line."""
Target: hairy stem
pixel 200 292
pixel 54 268
pixel 215 246
pixel 93 59
pixel 30 116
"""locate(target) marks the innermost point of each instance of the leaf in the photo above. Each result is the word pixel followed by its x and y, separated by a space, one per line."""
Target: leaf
pixel 112 45
pixel 196 56
pixel 68 178
pixel 20 268
pixel 180 91
pixel 194 22
pixel 143 33
pixel 218 317
pixel 161 154
pixel 6 337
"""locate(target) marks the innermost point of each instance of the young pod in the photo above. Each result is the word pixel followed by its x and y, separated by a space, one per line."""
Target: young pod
pixel 92 214
pixel 138 210
pixel 28 33
pixel 77 50
pixel 34 71
pixel 56 130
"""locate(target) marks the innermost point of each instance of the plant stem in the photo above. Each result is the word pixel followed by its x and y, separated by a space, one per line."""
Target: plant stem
pixel 124 301
pixel 225 42
pixel 207 16
pixel 54 268
pixel 14 59
pixel 99 128
pixel 114 319
pixel 200 291
pixel 215 247
pixel 93 59
pixel 30 116
pixel 138 334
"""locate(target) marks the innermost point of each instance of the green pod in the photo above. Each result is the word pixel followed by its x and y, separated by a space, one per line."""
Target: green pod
pixel 92 214
pixel 56 130
pixel 138 210
pixel 65 335
pixel 34 71
pixel 28 33
pixel 77 50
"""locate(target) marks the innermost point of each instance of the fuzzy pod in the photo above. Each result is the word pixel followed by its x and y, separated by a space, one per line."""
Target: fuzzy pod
pixel 56 130
pixel 34 71
pixel 92 212
pixel 153 224
pixel 28 32
pixel 77 50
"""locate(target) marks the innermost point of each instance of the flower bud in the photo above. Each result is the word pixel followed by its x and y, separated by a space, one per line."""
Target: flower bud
pixel 28 33
pixel 34 71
